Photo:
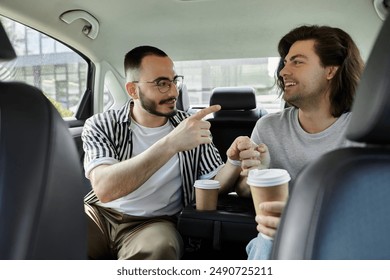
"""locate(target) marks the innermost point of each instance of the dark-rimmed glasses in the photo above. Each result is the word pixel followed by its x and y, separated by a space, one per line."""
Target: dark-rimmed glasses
pixel 164 84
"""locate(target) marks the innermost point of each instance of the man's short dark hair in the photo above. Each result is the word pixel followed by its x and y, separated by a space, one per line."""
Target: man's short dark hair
pixel 133 58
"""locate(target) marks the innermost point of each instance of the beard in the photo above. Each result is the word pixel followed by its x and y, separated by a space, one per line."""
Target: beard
pixel 306 98
pixel 292 100
pixel 151 106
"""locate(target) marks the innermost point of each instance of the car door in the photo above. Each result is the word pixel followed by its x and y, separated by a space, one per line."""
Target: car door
pixel 61 73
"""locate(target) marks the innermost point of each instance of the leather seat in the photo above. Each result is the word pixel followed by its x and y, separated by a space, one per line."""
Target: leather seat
pixel 339 207
pixel 41 183
pixel 237 117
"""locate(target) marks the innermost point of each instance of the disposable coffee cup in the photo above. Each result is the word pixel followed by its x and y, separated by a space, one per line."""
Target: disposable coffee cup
pixel 206 194
pixel 268 185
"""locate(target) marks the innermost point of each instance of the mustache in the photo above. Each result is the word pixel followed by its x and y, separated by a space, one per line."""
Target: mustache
pixel 167 100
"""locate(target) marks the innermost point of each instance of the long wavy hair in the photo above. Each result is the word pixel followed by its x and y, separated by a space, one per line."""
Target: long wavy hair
pixel 334 48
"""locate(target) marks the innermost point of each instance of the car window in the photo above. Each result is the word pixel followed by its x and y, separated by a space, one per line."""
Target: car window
pixel 47 64
pixel 202 76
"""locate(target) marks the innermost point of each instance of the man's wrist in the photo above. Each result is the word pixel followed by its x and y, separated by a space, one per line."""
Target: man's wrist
pixel 234 162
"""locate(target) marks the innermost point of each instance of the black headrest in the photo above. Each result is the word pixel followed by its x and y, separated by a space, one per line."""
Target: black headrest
pixel 183 100
pixel 234 98
pixel 6 50
pixel 41 182
pixel 370 121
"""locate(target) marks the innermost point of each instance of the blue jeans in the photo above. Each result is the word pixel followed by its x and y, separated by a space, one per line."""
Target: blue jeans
pixel 259 248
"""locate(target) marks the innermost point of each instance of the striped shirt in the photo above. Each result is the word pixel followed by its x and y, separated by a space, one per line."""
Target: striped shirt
pixel 107 139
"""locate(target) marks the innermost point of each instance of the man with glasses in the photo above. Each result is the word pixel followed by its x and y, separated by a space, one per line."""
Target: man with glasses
pixel 142 161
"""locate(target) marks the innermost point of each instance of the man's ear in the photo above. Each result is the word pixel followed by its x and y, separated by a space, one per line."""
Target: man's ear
pixel 131 89
pixel 331 72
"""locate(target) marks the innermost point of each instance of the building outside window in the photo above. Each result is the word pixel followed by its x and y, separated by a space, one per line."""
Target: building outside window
pixel 47 64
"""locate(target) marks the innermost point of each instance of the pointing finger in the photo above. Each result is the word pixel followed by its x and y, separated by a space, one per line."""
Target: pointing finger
pixel 204 112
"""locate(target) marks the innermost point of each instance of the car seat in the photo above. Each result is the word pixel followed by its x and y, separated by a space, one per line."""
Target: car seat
pixel 237 117
pixel 183 100
pixel 41 184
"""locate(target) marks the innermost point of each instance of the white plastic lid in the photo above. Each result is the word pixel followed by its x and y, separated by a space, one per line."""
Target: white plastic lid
pixel 207 184
pixel 267 177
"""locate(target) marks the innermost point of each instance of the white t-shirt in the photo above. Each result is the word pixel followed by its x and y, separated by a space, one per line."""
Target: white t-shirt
pixel 161 194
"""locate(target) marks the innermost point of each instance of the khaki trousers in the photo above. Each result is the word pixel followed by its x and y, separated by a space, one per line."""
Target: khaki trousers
pixel 113 235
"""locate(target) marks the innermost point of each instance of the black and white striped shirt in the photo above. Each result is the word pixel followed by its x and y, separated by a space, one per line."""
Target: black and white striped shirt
pixel 107 139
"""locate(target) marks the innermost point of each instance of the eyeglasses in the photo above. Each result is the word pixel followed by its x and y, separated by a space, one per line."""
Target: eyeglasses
pixel 164 84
